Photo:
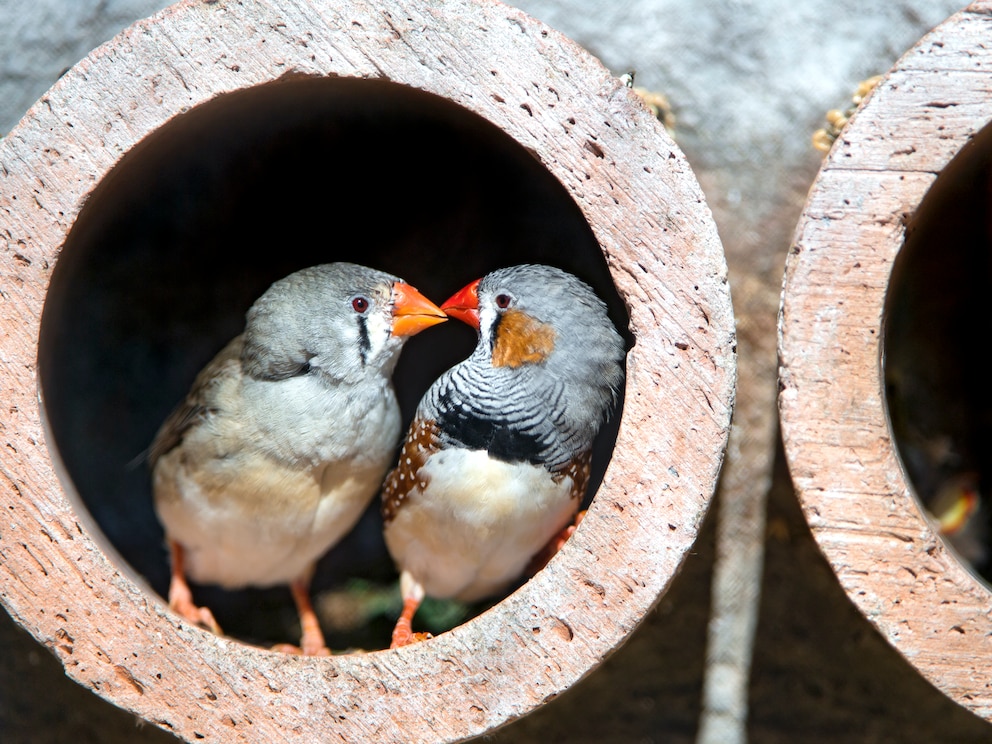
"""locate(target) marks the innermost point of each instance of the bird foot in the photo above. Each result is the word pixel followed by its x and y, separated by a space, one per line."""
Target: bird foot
pixel 311 637
pixel 408 638
pixel 181 596
pixel 413 594
pixel 199 616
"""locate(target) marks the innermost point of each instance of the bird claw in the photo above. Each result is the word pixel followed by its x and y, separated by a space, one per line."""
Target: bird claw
pixel 408 638
pixel 413 594
pixel 181 596
pixel 201 617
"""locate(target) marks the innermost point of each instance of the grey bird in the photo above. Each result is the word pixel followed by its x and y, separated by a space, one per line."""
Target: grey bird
pixel 496 462
pixel 285 436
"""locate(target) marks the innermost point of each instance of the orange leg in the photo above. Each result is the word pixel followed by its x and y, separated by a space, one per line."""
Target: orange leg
pixel 413 595
pixel 181 597
pixel 545 554
pixel 311 638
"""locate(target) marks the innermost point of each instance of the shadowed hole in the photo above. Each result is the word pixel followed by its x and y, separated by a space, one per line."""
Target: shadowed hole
pixel 199 218
pixel 938 324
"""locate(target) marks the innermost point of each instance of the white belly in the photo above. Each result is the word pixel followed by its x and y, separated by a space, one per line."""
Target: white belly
pixel 266 527
pixel 255 499
pixel 478 524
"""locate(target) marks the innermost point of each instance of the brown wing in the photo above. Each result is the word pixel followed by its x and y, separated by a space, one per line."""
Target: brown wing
pixel 199 402
pixel 421 442
pixel 578 470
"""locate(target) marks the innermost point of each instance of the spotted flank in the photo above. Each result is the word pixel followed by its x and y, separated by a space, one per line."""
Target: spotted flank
pixel 421 442
pixel 577 470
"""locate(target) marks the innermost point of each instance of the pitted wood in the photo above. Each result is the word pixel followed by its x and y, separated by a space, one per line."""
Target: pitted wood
pixel 645 208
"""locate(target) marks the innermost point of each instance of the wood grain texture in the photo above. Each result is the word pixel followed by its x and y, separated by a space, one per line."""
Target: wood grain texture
pixel 853 489
pixel 646 210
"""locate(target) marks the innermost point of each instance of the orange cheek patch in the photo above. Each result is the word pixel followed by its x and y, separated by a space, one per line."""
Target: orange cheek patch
pixel 522 340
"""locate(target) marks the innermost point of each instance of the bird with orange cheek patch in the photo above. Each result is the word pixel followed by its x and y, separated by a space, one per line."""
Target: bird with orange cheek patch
pixel 496 461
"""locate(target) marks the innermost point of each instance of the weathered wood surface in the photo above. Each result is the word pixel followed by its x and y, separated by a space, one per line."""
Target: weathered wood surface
pixel 646 210
pixel 840 449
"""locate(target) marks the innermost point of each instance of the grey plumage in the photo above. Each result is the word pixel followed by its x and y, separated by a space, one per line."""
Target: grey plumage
pixel 497 459
pixel 285 436
pixel 304 324
pixel 307 318
pixel 542 413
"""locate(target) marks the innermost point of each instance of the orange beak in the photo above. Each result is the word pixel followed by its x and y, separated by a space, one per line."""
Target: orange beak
pixel 412 312
pixel 464 304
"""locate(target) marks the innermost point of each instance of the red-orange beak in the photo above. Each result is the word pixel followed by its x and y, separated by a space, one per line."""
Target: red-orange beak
pixel 464 304
pixel 412 312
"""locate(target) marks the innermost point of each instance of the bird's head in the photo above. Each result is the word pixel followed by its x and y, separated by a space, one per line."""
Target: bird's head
pixel 541 315
pixel 341 320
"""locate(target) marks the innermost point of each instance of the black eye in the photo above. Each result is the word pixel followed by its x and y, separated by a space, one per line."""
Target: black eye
pixel 360 304
pixel 503 301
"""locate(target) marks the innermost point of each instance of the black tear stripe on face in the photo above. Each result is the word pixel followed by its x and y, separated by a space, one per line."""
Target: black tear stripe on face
pixel 495 435
pixel 363 339
pixel 494 331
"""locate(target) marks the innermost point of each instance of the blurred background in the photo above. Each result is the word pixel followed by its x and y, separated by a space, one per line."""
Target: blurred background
pixel 745 86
